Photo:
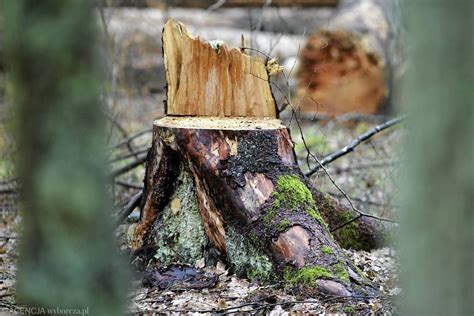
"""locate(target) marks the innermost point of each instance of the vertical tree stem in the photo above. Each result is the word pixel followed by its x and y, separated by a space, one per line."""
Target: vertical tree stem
pixel 67 257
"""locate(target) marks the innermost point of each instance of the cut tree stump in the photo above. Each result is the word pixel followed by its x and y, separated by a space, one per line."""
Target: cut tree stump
pixel 230 189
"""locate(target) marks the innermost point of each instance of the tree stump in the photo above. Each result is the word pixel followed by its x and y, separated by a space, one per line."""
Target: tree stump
pixel 229 187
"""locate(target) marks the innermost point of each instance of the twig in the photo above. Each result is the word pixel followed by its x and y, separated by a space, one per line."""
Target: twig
pixel 375 164
pixel 129 207
pixel 8 191
pixel 236 309
pixel 353 144
pixel 370 202
pixel 129 185
pixel 354 208
pixel 216 5
pixel 310 154
pixel 266 4
pixel 342 118
pixel 346 223
pixel 131 138
pixel 133 154
pixel 9 237
pixel 122 130
pixel 128 167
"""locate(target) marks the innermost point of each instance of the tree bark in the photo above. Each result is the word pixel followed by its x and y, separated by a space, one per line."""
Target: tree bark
pixel 232 190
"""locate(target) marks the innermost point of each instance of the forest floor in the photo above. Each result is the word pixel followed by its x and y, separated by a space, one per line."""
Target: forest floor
pixel 368 175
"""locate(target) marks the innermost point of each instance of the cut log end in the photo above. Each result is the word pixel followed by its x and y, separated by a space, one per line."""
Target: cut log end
pixel 337 75
pixel 219 123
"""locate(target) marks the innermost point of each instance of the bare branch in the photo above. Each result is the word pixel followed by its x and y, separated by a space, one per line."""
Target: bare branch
pixel 131 138
pixel 133 154
pixel 353 144
pixel 129 185
pixel 129 207
pixel 128 167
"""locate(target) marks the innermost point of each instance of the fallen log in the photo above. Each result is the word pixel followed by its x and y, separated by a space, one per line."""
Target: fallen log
pixel 350 66
pixel 228 187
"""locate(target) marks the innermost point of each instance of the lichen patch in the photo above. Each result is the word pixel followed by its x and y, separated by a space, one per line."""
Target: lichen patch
pixel 246 258
pixel 180 236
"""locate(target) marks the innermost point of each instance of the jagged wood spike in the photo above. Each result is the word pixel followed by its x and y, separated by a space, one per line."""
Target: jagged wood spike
pixel 211 79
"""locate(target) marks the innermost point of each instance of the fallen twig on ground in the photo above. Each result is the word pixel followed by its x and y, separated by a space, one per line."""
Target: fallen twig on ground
pixel 259 305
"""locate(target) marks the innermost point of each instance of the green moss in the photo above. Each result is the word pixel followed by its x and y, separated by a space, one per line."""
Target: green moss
pixel 283 224
pixel 341 272
pixel 326 250
pixel 307 275
pixel 246 258
pixel 317 143
pixel 290 194
pixel 348 236
pixel 258 274
pixel 267 218
pixel 349 310
pixel 359 271
pixel 315 214
pixel 253 237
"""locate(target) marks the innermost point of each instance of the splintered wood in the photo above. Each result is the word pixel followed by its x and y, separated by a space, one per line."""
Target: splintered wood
pixel 211 79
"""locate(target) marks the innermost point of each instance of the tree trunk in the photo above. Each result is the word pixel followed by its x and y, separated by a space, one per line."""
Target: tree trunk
pixel 229 188
pixel 436 210
pixel 228 3
pixel 67 257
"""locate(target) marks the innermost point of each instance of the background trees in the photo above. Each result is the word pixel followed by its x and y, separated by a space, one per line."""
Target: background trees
pixel 437 226
pixel 67 256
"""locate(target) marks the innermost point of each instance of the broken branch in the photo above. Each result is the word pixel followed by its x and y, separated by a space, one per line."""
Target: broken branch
pixel 353 144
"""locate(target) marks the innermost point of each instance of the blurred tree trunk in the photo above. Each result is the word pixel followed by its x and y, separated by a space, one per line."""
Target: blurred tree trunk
pixel 68 259
pixel 438 220
pixel 228 3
